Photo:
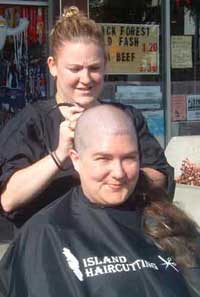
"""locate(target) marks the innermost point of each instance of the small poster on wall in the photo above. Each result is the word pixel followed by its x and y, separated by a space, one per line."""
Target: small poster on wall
pixel 189 23
pixel 181 52
pixel 178 108
pixel 193 108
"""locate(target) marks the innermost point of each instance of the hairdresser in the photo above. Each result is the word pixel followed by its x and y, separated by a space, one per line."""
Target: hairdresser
pixel 34 145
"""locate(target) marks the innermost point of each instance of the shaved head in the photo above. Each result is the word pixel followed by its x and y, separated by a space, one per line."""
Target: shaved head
pixel 106 154
pixel 105 118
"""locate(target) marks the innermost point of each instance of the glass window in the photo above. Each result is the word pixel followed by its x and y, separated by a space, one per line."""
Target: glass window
pixel 23 55
pixel 185 70
pixel 132 31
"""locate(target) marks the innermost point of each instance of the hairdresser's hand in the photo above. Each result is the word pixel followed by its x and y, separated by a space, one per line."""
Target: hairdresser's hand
pixel 67 127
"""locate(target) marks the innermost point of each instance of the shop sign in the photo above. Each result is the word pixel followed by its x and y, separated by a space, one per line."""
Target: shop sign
pixel 132 49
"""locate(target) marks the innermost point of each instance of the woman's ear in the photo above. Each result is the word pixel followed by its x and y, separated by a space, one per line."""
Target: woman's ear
pixel 74 156
pixel 52 66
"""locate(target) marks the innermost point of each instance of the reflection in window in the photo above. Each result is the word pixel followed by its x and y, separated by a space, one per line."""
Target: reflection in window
pixel 141 11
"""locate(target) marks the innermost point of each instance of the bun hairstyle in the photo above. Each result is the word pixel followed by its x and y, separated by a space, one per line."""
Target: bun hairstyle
pixel 71 12
pixel 74 25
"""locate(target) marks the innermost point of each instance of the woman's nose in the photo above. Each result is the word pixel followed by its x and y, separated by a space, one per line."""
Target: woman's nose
pixel 85 76
pixel 118 170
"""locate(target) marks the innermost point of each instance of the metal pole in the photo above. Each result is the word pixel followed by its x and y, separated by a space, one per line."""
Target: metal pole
pixel 60 7
pixel 50 26
pixel 166 66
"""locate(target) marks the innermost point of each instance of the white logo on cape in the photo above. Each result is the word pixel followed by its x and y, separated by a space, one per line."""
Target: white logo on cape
pixel 96 266
pixel 73 263
pixel 168 263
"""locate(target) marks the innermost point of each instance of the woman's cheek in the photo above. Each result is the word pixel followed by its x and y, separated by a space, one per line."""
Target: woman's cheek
pixel 98 173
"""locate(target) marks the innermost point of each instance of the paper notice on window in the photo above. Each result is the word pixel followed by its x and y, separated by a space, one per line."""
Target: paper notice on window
pixel 189 23
pixel 181 52
pixel 193 108
pixel 178 107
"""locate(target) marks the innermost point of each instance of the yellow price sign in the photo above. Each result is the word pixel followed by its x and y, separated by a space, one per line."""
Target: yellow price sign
pixel 132 49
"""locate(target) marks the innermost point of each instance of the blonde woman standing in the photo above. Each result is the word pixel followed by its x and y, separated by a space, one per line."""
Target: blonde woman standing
pixel 34 145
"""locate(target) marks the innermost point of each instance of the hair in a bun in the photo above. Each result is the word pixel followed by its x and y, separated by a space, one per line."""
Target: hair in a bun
pixel 71 11
pixel 72 25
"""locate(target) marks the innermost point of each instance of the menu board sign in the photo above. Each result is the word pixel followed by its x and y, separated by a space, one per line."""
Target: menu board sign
pixel 132 49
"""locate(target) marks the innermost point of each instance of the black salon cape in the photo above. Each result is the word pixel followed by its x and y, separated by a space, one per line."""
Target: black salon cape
pixel 24 140
pixel 76 249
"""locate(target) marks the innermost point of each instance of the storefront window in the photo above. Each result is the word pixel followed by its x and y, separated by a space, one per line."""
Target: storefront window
pixel 23 55
pixel 134 71
pixel 185 70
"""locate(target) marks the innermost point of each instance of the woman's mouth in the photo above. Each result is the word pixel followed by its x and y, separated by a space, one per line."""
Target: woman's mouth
pixel 115 186
pixel 84 90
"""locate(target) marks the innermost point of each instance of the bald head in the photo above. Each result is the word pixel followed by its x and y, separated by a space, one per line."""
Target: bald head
pixel 102 119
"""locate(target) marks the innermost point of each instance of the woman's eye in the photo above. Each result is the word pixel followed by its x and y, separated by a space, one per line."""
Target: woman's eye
pixel 101 159
pixel 95 68
pixel 131 158
pixel 74 69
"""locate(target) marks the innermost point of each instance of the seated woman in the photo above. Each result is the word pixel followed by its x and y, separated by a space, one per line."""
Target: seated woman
pixel 112 236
